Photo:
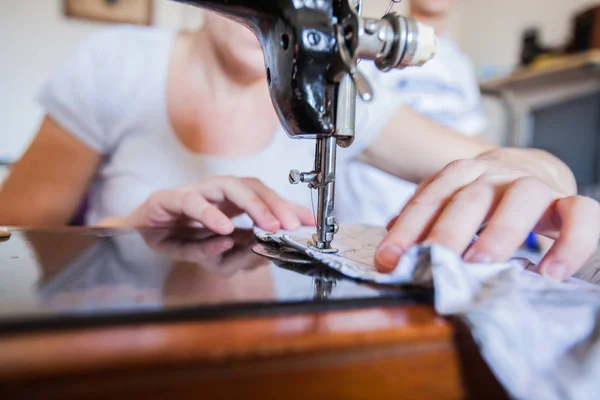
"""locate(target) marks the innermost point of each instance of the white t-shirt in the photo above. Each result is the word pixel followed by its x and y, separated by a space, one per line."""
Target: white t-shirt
pixel 110 93
pixel 445 90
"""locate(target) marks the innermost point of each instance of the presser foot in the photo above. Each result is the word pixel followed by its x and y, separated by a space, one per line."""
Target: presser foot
pixel 322 178
pixel 322 242
pixel 279 253
pixel 323 247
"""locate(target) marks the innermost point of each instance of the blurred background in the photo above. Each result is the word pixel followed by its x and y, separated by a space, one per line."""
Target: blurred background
pixel 36 35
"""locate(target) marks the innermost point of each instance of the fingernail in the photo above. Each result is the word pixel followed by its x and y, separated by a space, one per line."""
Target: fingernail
pixel 474 256
pixel 274 225
pixel 388 256
pixel 225 223
pixel 293 226
pixel 227 245
pixel 555 270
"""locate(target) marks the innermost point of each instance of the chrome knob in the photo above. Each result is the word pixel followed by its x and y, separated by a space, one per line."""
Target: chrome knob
pixel 295 177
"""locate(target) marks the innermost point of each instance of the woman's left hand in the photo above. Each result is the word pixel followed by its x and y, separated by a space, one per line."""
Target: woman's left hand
pixel 450 207
pixel 221 255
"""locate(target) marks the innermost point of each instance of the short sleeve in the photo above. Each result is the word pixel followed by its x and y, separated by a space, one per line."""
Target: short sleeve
pixel 70 97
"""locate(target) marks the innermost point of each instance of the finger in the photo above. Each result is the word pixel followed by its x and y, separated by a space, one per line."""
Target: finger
pixel 195 207
pixel 579 236
pixel 419 189
pixel 153 237
pixel 207 254
pixel 163 205
pixel 462 217
pixel 407 230
pixel 426 183
pixel 306 216
pixel 209 248
pixel 391 223
pixel 418 215
pixel 282 209
pixel 246 199
pixel 415 220
pixel 242 259
pixel 519 210
pixel 244 237
pixel 195 252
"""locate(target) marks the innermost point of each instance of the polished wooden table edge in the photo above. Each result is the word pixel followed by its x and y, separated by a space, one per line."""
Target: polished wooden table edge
pixel 362 352
pixel 216 342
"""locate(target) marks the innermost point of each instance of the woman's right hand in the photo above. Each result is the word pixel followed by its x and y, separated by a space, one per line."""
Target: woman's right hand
pixel 212 203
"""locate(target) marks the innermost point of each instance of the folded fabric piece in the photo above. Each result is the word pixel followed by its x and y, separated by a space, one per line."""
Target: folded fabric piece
pixel 356 246
pixel 540 337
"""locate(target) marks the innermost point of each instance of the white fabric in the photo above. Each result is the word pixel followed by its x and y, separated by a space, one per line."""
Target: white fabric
pixel 444 90
pixel 111 94
pixel 540 337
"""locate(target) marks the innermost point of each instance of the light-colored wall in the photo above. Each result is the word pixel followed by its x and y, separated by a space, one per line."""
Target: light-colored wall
pixel 490 30
pixel 34 37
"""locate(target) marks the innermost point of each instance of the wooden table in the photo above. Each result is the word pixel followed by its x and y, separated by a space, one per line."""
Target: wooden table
pixel 362 353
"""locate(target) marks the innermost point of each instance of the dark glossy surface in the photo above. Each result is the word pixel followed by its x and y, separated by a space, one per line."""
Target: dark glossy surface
pixel 83 276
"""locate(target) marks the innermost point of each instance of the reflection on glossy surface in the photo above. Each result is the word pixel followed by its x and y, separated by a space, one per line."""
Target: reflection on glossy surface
pixel 99 272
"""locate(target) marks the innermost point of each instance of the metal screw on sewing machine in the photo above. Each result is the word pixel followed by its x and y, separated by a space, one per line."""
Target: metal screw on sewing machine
pixel 333 225
pixel 313 38
pixel 371 27
pixel 295 177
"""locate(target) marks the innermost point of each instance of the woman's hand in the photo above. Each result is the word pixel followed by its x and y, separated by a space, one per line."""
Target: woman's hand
pixel 220 255
pixel 213 202
pixel 450 207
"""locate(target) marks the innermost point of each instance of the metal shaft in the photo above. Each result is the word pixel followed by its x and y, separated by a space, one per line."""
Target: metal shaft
pixel 345 118
pixel 323 288
pixel 325 153
pixel 322 177
pixel 392 42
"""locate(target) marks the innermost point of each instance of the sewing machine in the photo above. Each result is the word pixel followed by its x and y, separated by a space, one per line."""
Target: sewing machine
pixel 312 48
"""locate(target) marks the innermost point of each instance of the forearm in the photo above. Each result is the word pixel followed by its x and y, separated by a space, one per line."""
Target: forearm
pixel 413 147
pixel 46 185
pixel 538 163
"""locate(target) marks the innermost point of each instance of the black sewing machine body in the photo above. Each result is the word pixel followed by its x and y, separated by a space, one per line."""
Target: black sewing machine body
pixel 312 49
pixel 298 41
